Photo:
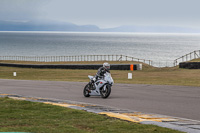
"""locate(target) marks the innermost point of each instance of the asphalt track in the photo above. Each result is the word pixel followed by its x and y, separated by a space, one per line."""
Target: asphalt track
pixel 177 101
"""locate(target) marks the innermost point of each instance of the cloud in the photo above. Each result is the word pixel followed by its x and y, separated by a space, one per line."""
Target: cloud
pixel 20 9
pixel 105 13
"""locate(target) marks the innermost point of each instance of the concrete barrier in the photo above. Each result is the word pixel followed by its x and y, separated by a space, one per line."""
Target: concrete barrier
pixel 190 65
pixel 74 66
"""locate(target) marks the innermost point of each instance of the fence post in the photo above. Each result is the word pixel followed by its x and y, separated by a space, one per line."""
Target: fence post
pixel 199 53
pixel 186 58
pixel 196 54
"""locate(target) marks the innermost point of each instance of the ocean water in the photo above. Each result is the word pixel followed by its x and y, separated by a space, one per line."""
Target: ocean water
pixel 161 48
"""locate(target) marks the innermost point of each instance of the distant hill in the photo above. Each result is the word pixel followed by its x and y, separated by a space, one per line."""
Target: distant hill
pixel 45 26
pixel 65 26
pixel 154 29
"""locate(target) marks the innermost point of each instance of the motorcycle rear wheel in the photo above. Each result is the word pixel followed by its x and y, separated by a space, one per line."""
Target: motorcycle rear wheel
pixel 106 93
pixel 85 90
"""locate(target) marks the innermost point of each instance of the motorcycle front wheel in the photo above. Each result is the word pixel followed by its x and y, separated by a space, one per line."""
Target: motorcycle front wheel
pixel 85 90
pixel 105 93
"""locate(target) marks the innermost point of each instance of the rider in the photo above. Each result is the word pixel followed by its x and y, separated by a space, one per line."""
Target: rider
pixel 101 71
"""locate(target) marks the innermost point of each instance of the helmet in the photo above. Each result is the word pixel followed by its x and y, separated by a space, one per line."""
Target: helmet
pixel 106 65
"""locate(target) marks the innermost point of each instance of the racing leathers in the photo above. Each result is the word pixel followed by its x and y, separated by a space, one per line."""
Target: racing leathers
pixel 100 73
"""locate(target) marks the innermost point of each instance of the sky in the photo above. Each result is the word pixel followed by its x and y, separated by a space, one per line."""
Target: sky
pixel 105 13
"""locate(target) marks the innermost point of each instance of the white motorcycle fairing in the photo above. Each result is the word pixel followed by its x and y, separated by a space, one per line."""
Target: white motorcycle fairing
pixel 101 83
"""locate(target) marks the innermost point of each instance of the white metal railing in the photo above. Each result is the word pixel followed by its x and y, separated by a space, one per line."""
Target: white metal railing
pixel 75 58
pixel 192 55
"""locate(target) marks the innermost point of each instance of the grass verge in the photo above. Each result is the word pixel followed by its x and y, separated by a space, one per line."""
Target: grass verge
pixel 149 75
pixel 25 116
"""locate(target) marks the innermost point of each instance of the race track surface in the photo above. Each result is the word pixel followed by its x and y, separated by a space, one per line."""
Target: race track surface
pixel 177 101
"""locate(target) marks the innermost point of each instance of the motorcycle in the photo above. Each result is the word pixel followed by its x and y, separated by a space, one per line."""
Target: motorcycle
pixel 101 87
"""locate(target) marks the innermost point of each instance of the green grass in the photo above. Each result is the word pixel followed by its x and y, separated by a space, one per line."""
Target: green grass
pixel 24 116
pixel 149 75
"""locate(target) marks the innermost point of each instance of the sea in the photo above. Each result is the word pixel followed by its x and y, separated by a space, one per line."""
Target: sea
pixel 161 48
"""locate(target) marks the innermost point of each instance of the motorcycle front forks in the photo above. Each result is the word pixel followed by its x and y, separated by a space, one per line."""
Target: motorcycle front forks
pixel 92 86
